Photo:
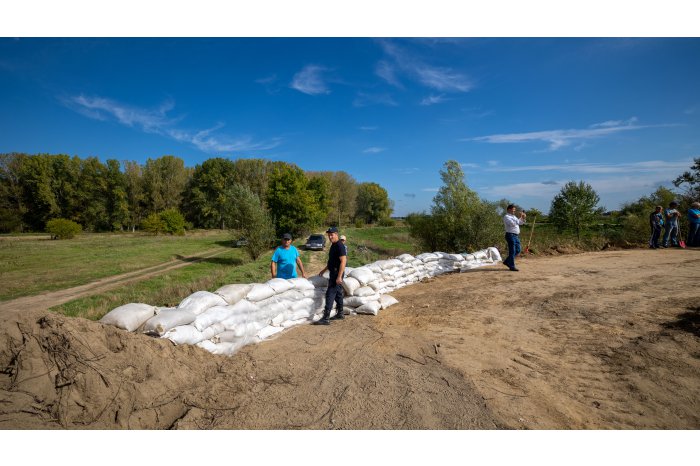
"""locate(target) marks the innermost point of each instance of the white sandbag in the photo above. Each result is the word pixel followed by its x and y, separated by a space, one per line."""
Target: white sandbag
pixel 406 258
pixel 306 303
pixel 212 316
pixel 494 254
pixel 280 285
pixel 212 331
pixel 268 331
pixel 227 336
pixel 167 319
pixel 480 255
pixel 376 285
pixel 309 293
pixel 371 307
pixel 200 301
pixel 318 281
pixel 248 328
pixel 259 292
pixel 469 257
pixel 364 291
pixel 427 257
pixel 278 319
pixel 292 295
pixel 223 348
pixel 234 292
pixel 453 257
pixel 362 275
pixel 129 316
pixel 357 301
pixel 184 335
pixel 387 300
pixel 350 284
pixel 374 267
pixel 301 283
pixel 160 309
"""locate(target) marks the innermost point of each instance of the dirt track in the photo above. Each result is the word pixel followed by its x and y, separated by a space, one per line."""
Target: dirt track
pixel 605 340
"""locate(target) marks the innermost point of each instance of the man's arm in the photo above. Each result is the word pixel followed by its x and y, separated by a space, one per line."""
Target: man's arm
pixel 273 269
pixel 341 271
pixel 301 267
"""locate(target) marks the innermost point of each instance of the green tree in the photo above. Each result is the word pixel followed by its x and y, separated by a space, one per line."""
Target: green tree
pixel 164 181
pixel 254 174
pixel 575 207
pixel 342 196
pixel 250 220
pixel 173 222
pixel 205 199
pixel 292 204
pixel 117 199
pixel 89 200
pixel 12 208
pixel 690 178
pixel 372 202
pixel 135 194
pixel 153 223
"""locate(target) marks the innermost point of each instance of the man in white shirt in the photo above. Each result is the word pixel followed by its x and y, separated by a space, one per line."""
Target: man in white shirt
pixel 512 224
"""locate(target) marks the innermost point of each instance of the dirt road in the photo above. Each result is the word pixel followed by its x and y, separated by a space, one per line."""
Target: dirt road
pixel 606 340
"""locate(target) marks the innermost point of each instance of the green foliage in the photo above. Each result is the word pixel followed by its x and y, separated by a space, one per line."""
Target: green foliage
pixel 251 221
pixel 460 221
pixel 372 202
pixel 164 181
pixel 387 222
pixel 61 228
pixel 359 223
pixel 153 224
pixel 173 222
pixel 634 216
pixel 12 207
pixel 574 208
pixel 206 199
pixel 293 203
pixel 690 178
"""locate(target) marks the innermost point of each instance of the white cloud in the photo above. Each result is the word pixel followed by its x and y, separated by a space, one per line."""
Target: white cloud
pixel 611 123
pixel 563 137
pixel 470 165
pixel 651 166
pixel 431 190
pixel 387 72
pixel 373 150
pixel 439 78
pixel 433 99
pixel 157 121
pixel 493 163
pixel 310 81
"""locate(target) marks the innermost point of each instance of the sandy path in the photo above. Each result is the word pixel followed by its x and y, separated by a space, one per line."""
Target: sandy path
pixel 605 340
pixel 53 298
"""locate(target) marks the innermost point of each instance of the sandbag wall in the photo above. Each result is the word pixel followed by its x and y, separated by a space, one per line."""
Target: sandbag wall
pixel 240 314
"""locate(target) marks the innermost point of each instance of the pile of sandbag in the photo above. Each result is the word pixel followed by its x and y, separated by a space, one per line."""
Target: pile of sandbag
pixel 239 314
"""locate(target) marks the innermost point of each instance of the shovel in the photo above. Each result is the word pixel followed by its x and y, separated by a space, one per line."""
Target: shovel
pixel 527 248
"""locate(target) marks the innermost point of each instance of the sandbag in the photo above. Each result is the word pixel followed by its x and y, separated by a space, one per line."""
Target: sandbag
pixel 357 301
pixel 184 335
pixel 200 301
pixel 268 331
pixel 260 291
pixel 234 292
pixel 387 300
pixel 371 307
pixel 350 284
pixel 301 283
pixel 129 316
pixel 213 315
pixel 318 281
pixel 427 257
pixel 494 254
pixel 363 275
pixel 364 291
pixel 167 319
pixel 406 258
pixel 280 285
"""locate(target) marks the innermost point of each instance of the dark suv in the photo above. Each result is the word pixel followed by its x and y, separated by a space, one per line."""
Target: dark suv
pixel 316 242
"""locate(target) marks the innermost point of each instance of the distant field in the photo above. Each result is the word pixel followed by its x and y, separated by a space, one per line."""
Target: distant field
pixel 38 264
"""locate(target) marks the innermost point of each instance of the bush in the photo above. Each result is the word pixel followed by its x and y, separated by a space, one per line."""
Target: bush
pixel 387 222
pixel 62 228
pixel 173 221
pixel 359 223
pixel 153 224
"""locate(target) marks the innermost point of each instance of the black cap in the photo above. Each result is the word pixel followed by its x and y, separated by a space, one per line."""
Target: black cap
pixel 286 236
pixel 332 230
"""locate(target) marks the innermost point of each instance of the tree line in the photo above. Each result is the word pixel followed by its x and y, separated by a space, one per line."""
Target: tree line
pixel 219 193
pixel 460 221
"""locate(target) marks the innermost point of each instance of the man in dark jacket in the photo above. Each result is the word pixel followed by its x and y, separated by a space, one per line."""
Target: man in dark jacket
pixel 337 259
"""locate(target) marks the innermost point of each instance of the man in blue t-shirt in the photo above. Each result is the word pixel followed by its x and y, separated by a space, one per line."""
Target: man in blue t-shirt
pixel 694 224
pixel 285 260
pixel 671 225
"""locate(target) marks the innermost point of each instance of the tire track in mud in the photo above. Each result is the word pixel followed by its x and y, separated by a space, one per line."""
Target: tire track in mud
pixel 53 298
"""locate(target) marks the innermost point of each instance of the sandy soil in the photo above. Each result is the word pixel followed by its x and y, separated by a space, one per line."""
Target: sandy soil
pixel 607 340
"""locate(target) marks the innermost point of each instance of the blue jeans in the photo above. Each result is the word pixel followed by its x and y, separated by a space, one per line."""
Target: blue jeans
pixel 513 241
pixel 671 232
pixel 333 293
pixel 655 235
pixel 693 234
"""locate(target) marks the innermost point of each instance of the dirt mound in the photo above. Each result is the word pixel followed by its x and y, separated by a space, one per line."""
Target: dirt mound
pixel 596 340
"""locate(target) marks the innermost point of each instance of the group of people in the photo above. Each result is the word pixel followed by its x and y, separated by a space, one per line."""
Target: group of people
pixel 668 221
pixel 286 259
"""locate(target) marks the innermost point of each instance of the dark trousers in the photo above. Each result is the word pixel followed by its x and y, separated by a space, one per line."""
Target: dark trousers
pixel 513 241
pixel 693 234
pixel 333 293
pixel 655 235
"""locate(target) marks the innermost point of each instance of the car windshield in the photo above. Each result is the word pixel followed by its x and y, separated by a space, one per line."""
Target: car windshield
pixel 315 238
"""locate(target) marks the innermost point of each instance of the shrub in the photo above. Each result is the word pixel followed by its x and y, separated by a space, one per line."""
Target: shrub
pixel 153 224
pixel 387 222
pixel 62 228
pixel 359 223
pixel 173 221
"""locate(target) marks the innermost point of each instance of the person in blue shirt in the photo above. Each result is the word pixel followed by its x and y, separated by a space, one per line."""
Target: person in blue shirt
pixel 671 225
pixel 656 222
pixel 694 225
pixel 286 259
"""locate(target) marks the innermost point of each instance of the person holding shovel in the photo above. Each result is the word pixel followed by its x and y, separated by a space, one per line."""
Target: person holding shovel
pixel 512 225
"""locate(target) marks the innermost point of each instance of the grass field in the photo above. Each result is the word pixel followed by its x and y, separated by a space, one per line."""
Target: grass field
pixel 31 265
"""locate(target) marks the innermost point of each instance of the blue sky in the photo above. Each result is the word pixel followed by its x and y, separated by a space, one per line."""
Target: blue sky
pixel 522 115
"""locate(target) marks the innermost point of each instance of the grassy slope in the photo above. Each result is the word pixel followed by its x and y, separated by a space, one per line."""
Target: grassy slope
pixel 31 266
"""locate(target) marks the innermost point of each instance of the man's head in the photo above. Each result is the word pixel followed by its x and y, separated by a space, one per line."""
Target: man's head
pixel 332 233
pixel 342 239
pixel 286 240
pixel 659 208
pixel 695 205
pixel 511 208
pixel 673 204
